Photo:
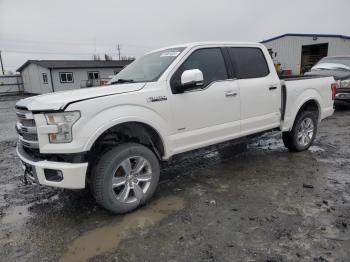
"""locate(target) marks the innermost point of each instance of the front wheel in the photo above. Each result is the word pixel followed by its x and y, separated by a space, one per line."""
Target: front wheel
pixel 303 133
pixel 125 177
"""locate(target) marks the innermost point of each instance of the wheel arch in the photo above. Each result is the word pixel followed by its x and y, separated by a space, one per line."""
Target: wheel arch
pixel 308 100
pixel 129 131
pixel 312 105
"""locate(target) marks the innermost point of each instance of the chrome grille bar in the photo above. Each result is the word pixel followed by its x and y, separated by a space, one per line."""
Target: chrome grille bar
pixel 24 115
pixel 27 143
pixel 26 129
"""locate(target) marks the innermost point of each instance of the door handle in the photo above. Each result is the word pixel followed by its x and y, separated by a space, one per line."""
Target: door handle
pixel 230 93
pixel 272 87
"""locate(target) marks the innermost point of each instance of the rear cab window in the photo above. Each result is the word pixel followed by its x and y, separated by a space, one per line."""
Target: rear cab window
pixel 248 62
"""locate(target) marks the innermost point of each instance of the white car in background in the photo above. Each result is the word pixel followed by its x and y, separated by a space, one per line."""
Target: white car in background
pixel 339 68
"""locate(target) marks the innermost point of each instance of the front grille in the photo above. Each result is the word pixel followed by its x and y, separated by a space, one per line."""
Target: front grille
pixel 30 137
pixel 26 128
pixel 28 122
pixel 34 152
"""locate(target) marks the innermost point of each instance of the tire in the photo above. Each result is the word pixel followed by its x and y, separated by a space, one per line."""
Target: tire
pixel 300 138
pixel 287 140
pixel 125 177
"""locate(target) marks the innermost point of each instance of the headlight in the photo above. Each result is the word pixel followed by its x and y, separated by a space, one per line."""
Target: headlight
pixel 64 122
pixel 345 83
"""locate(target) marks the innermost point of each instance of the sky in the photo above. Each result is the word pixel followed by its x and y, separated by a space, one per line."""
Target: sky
pixel 76 29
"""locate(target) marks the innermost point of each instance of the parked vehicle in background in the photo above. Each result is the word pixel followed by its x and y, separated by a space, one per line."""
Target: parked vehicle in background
pixel 339 68
pixel 167 102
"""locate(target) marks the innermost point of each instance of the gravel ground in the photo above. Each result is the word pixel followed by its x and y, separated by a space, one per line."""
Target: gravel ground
pixel 7 118
pixel 230 202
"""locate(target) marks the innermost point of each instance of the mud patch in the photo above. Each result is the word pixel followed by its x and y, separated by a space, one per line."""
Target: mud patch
pixel 16 215
pixel 103 239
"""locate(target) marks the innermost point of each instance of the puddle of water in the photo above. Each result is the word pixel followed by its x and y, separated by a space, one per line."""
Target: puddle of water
pixel 222 188
pixel 315 149
pixel 269 144
pixel 106 238
pixel 16 215
pixel 306 210
pixel 211 154
pixel 7 187
pixel 335 161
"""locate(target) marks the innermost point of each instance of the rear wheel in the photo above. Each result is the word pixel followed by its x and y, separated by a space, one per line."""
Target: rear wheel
pixel 303 133
pixel 125 177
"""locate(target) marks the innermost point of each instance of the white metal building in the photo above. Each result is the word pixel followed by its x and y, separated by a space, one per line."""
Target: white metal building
pixel 297 53
pixel 44 76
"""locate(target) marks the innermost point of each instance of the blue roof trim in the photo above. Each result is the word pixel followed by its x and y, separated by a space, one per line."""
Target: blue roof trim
pixel 306 35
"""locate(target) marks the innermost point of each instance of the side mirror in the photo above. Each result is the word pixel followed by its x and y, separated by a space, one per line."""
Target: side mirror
pixel 191 78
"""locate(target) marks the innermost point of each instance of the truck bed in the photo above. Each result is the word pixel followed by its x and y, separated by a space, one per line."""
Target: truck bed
pixel 295 93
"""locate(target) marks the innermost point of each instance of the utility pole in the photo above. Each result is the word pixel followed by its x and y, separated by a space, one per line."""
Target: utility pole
pixel 2 66
pixel 118 47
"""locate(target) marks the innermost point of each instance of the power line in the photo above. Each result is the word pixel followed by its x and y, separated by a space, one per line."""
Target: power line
pixel 45 52
pixel 11 66
pixel 74 43
pixel 60 52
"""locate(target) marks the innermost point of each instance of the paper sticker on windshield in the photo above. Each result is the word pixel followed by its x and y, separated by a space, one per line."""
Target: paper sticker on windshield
pixel 170 54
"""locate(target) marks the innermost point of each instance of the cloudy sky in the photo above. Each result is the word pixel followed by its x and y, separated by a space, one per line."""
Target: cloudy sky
pixel 75 29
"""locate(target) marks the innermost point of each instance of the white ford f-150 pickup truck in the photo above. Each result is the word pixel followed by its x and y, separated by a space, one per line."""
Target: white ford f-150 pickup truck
pixel 169 101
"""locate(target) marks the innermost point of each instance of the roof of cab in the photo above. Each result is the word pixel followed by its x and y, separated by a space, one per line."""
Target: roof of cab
pixel 195 44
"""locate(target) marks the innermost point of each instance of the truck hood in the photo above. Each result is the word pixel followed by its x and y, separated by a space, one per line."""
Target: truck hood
pixel 59 100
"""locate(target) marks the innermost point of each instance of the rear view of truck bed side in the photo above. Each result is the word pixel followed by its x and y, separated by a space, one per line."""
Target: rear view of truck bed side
pixel 312 93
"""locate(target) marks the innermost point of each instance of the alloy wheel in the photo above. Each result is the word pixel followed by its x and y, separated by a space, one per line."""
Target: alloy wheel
pixel 132 179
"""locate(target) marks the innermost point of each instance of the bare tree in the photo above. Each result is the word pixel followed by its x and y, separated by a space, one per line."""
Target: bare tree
pixel 96 57
pixel 127 58
pixel 108 57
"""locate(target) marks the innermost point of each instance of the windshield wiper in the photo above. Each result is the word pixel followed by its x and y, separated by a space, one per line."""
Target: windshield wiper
pixel 121 80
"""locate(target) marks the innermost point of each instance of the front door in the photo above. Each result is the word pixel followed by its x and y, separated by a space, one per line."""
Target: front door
pixel 209 114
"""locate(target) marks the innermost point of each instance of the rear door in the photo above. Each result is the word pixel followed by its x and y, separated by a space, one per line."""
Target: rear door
pixel 260 91
pixel 209 114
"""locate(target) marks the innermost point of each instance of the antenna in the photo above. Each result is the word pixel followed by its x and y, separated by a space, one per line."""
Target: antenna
pixel 94 45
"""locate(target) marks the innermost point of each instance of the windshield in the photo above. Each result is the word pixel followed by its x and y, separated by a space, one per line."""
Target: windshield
pixel 333 63
pixel 147 68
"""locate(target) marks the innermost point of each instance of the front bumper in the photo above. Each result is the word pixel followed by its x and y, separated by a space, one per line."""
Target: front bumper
pixel 74 174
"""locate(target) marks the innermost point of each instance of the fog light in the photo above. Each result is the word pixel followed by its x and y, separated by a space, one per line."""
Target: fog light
pixel 53 175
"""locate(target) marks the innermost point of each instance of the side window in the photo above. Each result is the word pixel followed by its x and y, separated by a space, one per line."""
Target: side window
pixel 66 77
pixel 209 60
pixel 45 78
pixel 93 75
pixel 249 62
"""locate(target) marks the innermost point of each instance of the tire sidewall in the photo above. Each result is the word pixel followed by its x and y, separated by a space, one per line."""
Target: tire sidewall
pixel 112 159
pixel 300 118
